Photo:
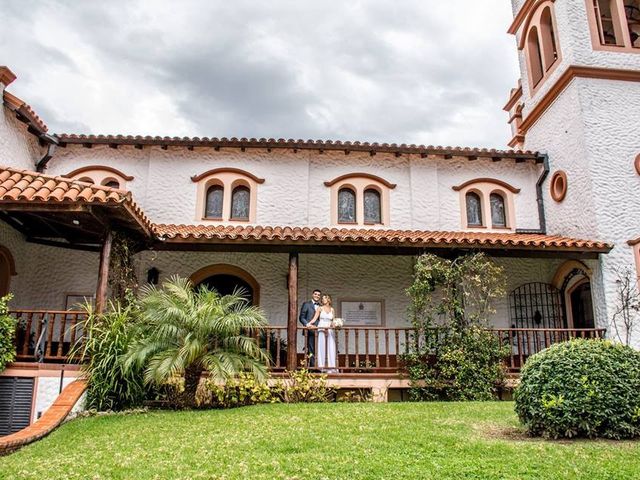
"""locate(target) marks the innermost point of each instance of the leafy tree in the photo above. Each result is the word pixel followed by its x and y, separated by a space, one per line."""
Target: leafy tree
pixel 7 333
pixel 185 331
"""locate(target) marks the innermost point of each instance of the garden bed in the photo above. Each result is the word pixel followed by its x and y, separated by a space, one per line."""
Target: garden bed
pixel 408 440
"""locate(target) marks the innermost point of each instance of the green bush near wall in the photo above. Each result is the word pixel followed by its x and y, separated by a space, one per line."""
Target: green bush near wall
pixel 7 333
pixel 581 388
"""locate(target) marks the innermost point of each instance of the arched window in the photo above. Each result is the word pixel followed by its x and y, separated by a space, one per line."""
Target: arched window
pixel 535 56
pixel 548 37
pixel 111 182
pixel 360 198
pixel 372 206
pixel 540 43
pixel 240 201
pixel 498 214
pixel 101 175
pixel 474 210
pixel 227 194
pixel 346 206
pixel 213 208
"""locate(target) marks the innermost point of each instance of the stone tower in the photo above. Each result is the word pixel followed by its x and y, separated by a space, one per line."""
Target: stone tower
pixel 578 101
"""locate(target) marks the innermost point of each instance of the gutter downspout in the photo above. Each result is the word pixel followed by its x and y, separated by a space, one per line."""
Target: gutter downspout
pixel 540 199
pixel 52 143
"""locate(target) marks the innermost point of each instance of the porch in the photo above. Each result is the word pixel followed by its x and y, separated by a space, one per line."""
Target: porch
pixel 63 253
pixel 48 336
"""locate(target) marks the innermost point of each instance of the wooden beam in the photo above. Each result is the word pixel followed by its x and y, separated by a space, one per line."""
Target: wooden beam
pixel 43 207
pixel 103 272
pixel 71 246
pixel 292 321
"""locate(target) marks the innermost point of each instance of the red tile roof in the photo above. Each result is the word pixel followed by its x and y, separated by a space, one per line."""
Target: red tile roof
pixel 374 147
pixel 24 111
pixel 23 186
pixel 415 238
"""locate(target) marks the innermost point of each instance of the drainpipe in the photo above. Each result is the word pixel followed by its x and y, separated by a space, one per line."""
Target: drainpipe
pixel 52 143
pixel 540 199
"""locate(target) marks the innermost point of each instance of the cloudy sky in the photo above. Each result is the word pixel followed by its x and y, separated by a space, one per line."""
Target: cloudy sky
pixel 404 71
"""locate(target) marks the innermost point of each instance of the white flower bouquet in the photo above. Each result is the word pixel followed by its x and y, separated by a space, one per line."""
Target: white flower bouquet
pixel 337 323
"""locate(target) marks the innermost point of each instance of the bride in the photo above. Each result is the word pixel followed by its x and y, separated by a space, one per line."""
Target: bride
pixel 326 348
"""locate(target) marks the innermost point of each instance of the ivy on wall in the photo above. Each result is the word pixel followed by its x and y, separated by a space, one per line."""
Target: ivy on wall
pixel 123 281
pixel 455 357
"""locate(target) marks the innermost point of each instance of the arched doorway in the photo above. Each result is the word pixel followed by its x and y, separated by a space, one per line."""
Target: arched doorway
pixel 225 279
pixel 580 304
pixel 7 269
pixel 573 278
pixel 227 284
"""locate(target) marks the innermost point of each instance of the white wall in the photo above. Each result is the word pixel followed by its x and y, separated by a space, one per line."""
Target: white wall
pixel 294 193
pixel 45 275
pixel 590 132
pixel 18 148
pixel 47 390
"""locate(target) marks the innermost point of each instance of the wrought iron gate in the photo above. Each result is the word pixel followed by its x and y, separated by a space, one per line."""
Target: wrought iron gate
pixel 536 305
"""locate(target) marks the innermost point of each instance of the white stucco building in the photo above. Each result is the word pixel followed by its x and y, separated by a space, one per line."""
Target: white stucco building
pixel 283 217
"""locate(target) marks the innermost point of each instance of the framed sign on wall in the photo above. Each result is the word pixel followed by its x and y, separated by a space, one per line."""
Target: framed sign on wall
pixel 361 312
pixel 74 301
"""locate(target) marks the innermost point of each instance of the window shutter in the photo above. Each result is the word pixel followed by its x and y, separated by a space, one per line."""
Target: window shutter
pixel 16 394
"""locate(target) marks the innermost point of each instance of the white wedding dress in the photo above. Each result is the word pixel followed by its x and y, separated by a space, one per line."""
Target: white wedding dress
pixel 326 351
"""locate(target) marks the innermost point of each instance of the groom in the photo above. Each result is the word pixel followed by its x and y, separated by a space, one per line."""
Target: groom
pixel 307 312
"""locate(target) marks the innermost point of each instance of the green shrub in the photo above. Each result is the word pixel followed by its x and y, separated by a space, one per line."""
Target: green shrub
pixel 7 333
pixel 301 386
pixel 237 392
pixel 581 388
pixel 107 337
pixel 467 365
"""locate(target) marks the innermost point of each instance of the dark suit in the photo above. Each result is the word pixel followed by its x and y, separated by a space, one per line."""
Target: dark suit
pixel 307 312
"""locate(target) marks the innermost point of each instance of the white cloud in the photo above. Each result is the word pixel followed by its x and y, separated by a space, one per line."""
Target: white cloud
pixel 412 71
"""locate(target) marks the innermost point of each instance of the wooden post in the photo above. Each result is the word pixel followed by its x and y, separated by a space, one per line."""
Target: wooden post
pixel 292 323
pixel 103 272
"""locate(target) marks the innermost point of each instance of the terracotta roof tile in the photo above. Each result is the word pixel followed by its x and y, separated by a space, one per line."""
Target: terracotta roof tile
pixel 24 109
pixel 23 186
pixel 65 138
pixel 30 186
pixel 417 238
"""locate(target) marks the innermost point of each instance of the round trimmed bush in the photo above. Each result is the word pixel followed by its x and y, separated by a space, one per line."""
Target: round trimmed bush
pixel 581 388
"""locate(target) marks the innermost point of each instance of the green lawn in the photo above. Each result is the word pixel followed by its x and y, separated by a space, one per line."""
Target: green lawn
pixel 394 441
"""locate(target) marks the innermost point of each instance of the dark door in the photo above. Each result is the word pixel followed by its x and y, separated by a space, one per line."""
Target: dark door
pixel 16 394
pixel 226 284
pixel 582 306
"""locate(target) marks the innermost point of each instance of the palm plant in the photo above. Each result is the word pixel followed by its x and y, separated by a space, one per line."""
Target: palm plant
pixel 186 331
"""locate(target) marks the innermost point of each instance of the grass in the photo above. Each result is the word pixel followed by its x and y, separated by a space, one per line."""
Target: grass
pixel 377 441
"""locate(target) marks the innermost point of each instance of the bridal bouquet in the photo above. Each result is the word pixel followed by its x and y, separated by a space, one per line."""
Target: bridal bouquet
pixel 337 323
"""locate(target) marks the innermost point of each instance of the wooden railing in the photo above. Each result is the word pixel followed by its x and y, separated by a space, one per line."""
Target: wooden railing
pixel 49 335
pixel 380 350
pixel 46 335
pixel 273 340
pixel 524 342
pixel 363 349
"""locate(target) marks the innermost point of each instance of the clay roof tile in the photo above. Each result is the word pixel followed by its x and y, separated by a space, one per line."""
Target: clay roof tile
pixel 419 238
